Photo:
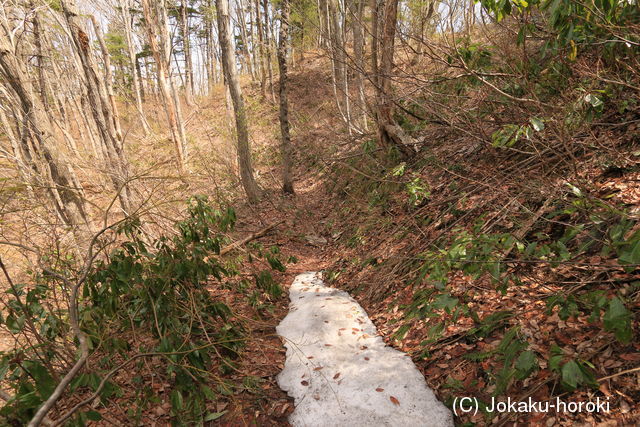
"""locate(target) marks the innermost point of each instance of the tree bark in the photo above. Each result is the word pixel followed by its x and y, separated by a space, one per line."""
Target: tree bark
pixel 243 37
pixel 38 144
pixel 388 132
pixel 125 7
pixel 267 44
pixel 102 102
pixel 42 77
pixel 261 52
pixel 228 65
pixel 357 12
pixel 283 45
pixel 338 59
pixel 186 48
pixel 157 35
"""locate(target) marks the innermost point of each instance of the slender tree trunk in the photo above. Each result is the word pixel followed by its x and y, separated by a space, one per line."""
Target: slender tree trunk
pixel 357 12
pixel 283 45
pixel 81 108
pixel 261 51
pixel 228 65
pixel 267 43
pixel 108 78
pixel 208 54
pixel 38 144
pixel 211 48
pixel 156 20
pixel 25 171
pixel 252 40
pixel 186 48
pixel 102 102
pixel 337 51
pixel 240 13
pixel 139 91
pixel 138 94
pixel 375 24
pixel 42 78
pixel 322 39
pixel 389 132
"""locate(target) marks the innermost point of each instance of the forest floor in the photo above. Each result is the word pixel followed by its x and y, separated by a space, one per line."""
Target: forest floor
pixel 315 232
pixel 318 226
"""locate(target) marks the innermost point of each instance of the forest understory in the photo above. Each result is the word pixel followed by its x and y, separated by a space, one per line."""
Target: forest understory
pixel 468 171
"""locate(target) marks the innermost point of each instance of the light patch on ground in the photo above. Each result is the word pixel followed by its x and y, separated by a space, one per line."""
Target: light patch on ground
pixel 340 372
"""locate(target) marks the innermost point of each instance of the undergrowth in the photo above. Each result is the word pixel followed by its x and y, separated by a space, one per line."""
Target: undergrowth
pixel 141 304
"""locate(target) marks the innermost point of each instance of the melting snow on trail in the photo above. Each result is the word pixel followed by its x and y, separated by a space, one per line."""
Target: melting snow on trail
pixel 339 370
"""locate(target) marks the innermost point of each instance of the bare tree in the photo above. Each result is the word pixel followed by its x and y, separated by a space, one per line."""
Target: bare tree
pixel 155 16
pixel 388 131
pixel 37 143
pixel 101 99
pixel 283 47
pixel 356 8
pixel 229 67
pixel 127 20
pixel 261 50
pixel 183 21
pixel 267 44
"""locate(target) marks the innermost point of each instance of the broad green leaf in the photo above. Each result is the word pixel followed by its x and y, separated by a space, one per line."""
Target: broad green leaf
pixel 538 125
pixel 525 364
pixel 617 319
pixel 212 416
pixel 93 415
pixel 571 374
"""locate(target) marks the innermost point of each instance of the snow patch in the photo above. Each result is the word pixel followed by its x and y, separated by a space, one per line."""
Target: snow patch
pixel 340 372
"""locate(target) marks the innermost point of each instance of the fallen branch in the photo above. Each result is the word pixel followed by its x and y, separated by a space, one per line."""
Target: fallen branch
pixel 628 371
pixel 249 238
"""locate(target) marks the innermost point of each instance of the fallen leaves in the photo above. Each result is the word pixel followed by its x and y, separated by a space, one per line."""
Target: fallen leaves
pixel 336 376
pixel 379 389
pixel 631 357
pixel 304 383
pixel 394 400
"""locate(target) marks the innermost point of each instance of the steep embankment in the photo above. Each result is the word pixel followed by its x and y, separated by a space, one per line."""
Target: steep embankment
pixel 505 268
pixel 504 273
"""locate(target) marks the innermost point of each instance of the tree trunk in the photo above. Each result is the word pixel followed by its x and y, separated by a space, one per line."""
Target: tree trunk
pixel 389 133
pixel 261 52
pixel 102 102
pixel 186 48
pixel 156 19
pixel 267 44
pixel 283 45
pixel 243 37
pixel 38 144
pixel 252 40
pixel 88 61
pixel 42 78
pixel 228 65
pixel 138 94
pixel 357 12
pixel 338 57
